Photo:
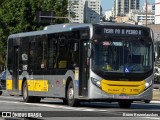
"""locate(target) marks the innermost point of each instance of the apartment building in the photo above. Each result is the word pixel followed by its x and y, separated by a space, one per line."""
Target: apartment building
pixel 92 11
pixel 76 10
pixel 157 12
pixel 123 7
pixel 85 11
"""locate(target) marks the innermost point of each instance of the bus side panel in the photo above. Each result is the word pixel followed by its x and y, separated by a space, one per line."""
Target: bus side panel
pixel 57 84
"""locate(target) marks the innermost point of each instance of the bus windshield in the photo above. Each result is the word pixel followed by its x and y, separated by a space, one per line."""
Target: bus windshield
pixel 122 55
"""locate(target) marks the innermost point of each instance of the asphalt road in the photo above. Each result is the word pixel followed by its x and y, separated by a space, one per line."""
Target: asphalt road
pixel 51 109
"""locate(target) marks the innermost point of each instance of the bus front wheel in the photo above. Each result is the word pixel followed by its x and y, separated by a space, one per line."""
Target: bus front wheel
pixel 70 95
pixel 125 104
pixel 147 101
pixel 26 98
pixel 1 90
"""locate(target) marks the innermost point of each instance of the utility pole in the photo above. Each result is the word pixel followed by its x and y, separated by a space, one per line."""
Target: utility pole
pixel 146 12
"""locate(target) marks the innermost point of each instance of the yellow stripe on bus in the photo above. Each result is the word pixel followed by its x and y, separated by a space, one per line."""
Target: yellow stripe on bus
pixel 123 87
pixel 20 84
pixel 9 84
pixel 38 85
pixel 33 85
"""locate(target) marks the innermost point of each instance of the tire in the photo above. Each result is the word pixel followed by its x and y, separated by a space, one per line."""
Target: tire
pixel 26 98
pixel 147 101
pixel 1 91
pixel 36 99
pixel 11 95
pixel 70 96
pixel 125 104
pixel 65 102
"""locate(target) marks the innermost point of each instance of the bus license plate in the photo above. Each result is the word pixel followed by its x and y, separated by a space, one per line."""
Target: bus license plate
pixel 123 97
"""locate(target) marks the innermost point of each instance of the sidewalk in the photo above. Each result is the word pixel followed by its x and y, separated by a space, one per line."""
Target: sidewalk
pixel 156 95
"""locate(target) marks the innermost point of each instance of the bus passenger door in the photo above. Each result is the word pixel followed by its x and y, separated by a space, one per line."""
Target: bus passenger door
pixel 15 75
pixel 83 68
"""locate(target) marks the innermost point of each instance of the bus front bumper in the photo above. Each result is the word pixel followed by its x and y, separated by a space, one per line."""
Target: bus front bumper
pixel 97 93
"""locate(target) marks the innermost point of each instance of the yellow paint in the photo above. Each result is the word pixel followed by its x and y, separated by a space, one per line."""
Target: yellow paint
pixel 30 84
pixel 38 85
pixel 123 87
pixel 33 85
pixel 20 84
pixel 9 84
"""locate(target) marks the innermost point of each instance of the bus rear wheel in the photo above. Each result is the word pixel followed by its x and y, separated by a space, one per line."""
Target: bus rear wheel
pixel 26 98
pixel 70 95
pixel 125 104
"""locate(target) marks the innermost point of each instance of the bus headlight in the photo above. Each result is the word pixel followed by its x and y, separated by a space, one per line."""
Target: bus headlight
pixel 96 82
pixel 147 84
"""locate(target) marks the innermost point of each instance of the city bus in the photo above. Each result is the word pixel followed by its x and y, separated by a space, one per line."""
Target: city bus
pixel 102 62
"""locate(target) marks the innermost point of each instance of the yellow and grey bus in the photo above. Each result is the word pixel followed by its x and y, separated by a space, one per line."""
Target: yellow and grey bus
pixel 104 62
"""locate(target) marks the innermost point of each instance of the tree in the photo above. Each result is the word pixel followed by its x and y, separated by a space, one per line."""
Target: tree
pixel 60 9
pixel 20 16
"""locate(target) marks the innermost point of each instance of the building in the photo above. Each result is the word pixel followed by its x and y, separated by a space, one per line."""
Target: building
pixel 134 5
pixel 156 31
pixel 88 11
pixel 76 10
pixel 149 7
pixel 140 17
pixel 92 11
pixel 157 12
pixel 108 15
pixel 123 7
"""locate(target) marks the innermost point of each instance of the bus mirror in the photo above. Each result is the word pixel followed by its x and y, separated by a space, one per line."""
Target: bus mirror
pixel 75 46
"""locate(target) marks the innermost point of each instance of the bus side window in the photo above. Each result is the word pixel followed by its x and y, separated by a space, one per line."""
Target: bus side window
pixel 52 52
pixel 62 58
pixel 75 58
pixel 62 64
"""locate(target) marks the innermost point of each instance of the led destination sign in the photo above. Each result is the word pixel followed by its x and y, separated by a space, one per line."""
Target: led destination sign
pixel 122 31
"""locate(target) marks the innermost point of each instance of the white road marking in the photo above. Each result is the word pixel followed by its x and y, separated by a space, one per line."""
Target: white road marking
pixel 68 107
pixel 54 106
pixel 73 108
pixel 11 97
pixel 154 118
pixel 156 101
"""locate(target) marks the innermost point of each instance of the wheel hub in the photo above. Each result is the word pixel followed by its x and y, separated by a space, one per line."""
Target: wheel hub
pixel 25 92
pixel 70 96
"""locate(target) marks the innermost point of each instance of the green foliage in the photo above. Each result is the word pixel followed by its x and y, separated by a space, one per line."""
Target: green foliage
pixel 60 8
pixel 20 16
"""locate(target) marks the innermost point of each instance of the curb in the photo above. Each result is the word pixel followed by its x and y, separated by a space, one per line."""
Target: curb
pixel 155 101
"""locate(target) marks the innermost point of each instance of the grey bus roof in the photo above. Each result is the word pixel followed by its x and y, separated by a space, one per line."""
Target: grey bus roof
pixel 66 27
pixel 51 29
